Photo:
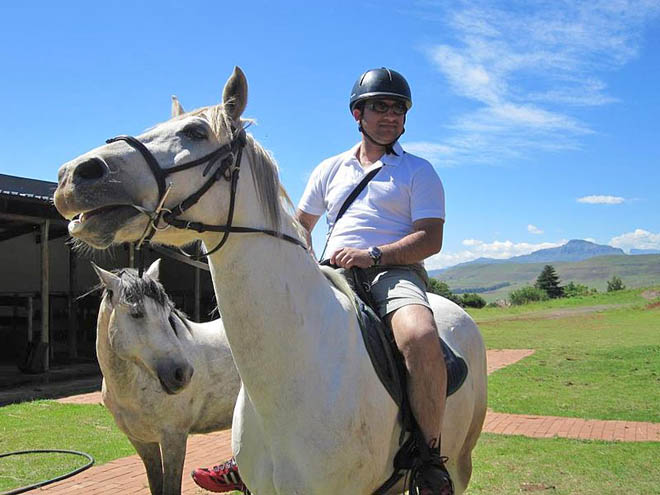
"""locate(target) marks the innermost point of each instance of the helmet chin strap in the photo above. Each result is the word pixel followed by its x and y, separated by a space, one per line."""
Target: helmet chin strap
pixel 389 147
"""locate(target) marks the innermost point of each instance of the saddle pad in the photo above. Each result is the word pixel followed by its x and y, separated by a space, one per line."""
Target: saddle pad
pixel 388 362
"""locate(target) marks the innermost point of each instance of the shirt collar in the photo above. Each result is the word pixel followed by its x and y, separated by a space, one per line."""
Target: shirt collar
pixel 387 159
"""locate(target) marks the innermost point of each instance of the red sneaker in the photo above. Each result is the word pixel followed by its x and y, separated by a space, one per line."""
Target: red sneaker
pixel 220 479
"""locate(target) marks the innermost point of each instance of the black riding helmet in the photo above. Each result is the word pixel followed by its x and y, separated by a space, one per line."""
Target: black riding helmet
pixel 382 82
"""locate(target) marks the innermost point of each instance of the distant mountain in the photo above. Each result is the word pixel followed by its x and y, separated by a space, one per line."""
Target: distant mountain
pixel 496 280
pixel 575 250
pixel 645 251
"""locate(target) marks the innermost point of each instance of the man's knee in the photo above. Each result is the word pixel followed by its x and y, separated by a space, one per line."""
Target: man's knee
pixel 415 333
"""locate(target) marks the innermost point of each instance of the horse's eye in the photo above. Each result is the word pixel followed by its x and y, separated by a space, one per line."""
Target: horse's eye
pixel 195 132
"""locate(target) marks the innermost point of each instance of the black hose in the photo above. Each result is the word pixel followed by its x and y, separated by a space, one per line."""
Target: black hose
pixel 53 480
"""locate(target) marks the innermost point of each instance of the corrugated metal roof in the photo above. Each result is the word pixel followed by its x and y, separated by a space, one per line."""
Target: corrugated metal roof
pixel 22 187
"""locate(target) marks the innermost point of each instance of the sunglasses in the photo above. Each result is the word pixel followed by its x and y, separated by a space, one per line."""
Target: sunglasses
pixel 379 106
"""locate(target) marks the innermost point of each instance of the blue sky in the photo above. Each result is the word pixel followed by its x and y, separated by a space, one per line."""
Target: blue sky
pixel 541 117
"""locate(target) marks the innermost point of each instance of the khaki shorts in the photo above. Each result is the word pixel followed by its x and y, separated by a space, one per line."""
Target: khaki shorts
pixel 395 286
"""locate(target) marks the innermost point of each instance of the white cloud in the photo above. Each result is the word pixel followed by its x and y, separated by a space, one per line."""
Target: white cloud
pixel 528 69
pixel 478 249
pixel 639 239
pixel 442 155
pixel 601 200
pixel 533 229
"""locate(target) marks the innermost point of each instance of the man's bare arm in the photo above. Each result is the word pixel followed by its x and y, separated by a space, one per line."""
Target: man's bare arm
pixel 308 221
pixel 425 241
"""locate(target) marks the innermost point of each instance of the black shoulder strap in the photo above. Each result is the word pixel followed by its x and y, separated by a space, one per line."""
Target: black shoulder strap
pixel 356 192
pixel 349 200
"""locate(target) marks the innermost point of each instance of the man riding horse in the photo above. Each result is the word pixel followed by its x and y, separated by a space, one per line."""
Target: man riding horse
pixel 389 229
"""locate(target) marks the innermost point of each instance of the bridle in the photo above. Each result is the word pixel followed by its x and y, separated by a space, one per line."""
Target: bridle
pixel 228 155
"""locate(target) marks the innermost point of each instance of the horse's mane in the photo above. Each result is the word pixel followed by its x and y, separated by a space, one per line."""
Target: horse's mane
pixel 276 202
pixel 134 289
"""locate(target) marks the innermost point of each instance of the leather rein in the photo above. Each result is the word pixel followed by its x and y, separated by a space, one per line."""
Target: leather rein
pixel 228 155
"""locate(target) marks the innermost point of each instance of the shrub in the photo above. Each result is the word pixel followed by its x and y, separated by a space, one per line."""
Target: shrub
pixel 527 294
pixel 576 290
pixel 615 284
pixel 442 289
pixel 473 301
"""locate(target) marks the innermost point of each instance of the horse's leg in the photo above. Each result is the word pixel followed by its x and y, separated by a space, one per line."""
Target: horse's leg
pixel 174 453
pixel 150 455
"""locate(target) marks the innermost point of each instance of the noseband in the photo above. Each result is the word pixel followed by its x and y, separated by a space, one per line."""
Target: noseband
pixel 228 155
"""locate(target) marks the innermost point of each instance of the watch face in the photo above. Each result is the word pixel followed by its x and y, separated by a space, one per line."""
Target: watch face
pixel 375 252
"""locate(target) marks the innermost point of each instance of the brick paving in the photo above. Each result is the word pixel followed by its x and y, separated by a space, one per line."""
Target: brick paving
pixel 584 429
pixel 126 475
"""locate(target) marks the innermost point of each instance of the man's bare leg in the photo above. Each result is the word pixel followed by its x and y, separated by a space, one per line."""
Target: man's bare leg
pixel 416 337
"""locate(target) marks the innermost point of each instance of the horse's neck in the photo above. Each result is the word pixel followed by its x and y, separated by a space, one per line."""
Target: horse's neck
pixel 274 302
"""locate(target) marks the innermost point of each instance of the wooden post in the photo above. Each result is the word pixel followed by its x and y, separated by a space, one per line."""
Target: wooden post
pixel 30 311
pixel 72 331
pixel 45 292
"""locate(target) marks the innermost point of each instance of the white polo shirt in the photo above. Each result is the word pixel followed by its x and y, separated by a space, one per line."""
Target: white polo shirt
pixel 406 189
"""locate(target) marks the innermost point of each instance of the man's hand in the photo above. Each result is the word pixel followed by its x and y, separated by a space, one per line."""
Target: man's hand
pixel 349 257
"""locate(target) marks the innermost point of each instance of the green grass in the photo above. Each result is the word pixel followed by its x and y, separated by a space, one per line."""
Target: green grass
pixel 505 465
pixel 51 425
pixel 603 365
pixel 600 384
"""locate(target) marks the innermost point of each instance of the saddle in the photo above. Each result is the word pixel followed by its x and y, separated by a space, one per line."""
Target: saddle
pixel 390 368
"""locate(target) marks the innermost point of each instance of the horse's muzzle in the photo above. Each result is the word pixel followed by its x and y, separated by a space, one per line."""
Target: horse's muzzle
pixel 174 377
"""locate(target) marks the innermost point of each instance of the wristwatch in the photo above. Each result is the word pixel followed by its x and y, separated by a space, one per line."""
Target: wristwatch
pixel 376 254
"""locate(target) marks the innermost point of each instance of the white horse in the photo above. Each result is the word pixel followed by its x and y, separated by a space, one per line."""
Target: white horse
pixel 163 375
pixel 312 416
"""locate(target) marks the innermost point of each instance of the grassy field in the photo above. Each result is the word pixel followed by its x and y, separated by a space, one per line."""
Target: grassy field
pixel 600 365
pixel 51 425
pixel 505 465
pixel 609 300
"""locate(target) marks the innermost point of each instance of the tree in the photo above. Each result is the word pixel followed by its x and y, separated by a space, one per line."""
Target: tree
pixel 615 284
pixel 442 289
pixel 548 281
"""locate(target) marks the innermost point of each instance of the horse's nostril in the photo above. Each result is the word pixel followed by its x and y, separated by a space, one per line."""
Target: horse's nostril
pixel 91 169
pixel 179 375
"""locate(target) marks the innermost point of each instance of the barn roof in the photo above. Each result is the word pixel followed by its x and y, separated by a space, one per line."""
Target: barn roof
pixel 22 187
pixel 24 204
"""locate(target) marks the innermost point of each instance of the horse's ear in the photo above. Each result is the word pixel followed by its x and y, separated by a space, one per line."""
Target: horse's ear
pixel 234 96
pixel 177 108
pixel 154 270
pixel 109 280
